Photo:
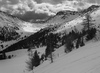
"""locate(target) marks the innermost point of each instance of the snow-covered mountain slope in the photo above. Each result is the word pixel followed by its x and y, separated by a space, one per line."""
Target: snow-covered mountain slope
pixel 17 64
pixel 75 24
pixel 13 29
pixel 82 60
pixel 64 26
pixel 12 21
pixel 66 16
pixel 58 19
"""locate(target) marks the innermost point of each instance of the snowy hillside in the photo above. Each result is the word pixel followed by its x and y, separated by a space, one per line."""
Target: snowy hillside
pixel 12 21
pixel 73 46
pixel 82 60
pixel 76 22
pixel 66 22
pixel 66 15
pixel 13 29
pixel 16 64
pixel 63 17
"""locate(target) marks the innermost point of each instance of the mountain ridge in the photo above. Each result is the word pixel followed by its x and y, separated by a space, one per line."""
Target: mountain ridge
pixel 40 38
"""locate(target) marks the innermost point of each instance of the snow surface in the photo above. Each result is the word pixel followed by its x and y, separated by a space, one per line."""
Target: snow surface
pixel 29 27
pixel 16 64
pixel 60 20
pixel 82 60
pixel 6 20
pixel 72 25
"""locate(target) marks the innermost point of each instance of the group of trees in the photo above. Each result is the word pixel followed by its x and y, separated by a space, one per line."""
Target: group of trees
pixel 89 26
pixel 8 33
pixel 76 39
pixel 3 56
pixel 34 61
pixel 72 40
pixel 50 46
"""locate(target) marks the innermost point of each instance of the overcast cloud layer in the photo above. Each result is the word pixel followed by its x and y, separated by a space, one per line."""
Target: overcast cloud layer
pixel 49 7
pixel 43 6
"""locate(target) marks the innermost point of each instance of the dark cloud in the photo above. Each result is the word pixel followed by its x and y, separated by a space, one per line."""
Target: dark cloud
pixel 93 1
pixel 13 1
pixel 3 2
pixel 31 15
pixel 58 1
pixel 38 9
pixel 38 1
pixel 53 1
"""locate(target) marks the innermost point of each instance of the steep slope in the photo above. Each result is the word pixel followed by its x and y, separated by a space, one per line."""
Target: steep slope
pixel 63 17
pixel 12 30
pixel 35 40
pixel 66 16
pixel 58 29
pixel 82 60
pixel 12 21
pixel 76 23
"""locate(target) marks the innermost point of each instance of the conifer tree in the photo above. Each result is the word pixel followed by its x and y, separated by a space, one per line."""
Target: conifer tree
pixel 50 47
pixel 37 59
pixel 33 61
pixel 88 22
pixel 4 55
pixel 82 42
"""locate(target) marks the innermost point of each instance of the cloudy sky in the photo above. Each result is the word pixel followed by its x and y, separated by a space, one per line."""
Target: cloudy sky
pixel 40 9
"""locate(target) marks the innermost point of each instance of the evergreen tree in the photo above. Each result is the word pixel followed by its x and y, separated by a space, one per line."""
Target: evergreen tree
pixel 78 42
pixel 91 34
pixel 4 55
pixel 88 22
pixel 30 64
pixel 36 59
pixel 33 61
pixel 50 47
pixel 42 58
pixel 82 42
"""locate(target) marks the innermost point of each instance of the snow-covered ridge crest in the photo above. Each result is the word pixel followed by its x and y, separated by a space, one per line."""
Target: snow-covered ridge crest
pixel 93 10
pixel 65 16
